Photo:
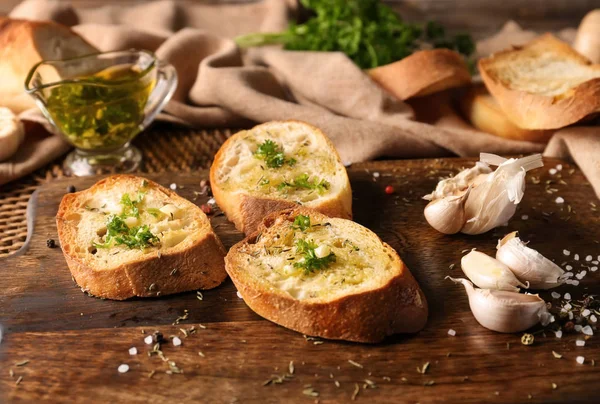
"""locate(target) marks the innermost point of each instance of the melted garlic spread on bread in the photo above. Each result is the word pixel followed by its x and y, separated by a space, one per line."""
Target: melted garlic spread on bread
pixel 287 162
pixel 142 219
pixel 354 259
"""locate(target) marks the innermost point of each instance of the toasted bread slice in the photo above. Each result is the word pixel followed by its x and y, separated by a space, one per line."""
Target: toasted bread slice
pixel 544 84
pixel 279 165
pixel 127 236
pixel 326 277
pixel 422 73
pixel 481 109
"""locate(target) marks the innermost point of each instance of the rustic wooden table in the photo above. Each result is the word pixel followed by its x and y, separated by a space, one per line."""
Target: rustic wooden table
pixel 64 346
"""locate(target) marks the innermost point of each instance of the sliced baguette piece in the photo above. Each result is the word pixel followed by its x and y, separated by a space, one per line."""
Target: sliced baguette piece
pixel 483 112
pixel 422 73
pixel 365 295
pixel 23 44
pixel 544 84
pixel 188 255
pixel 247 189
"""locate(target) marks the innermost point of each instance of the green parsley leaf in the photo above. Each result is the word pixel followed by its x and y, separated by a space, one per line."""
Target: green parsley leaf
pixel 311 263
pixel 301 222
pixel 118 233
pixel 303 182
pixel 154 212
pixel 272 154
pixel 130 207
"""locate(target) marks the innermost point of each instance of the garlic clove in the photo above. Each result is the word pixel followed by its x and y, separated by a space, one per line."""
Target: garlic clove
pixel 494 201
pixel 527 264
pixel 489 273
pixel 503 311
pixel 447 215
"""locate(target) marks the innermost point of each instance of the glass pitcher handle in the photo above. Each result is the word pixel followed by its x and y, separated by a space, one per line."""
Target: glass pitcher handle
pixel 166 83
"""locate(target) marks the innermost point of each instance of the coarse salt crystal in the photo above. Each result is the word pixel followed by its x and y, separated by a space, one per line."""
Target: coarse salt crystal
pixel 555 295
pixel 595 262
pixel 133 351
pixel 571 316
pixel 580 360
pixel 574 283
pixel 176 341
pixel 586 313
pixel 580 342
pixel 576 257
pixel 588 258
pixel 568 306
pixel 148 340
pixel 558 334
pixel 559 167
pixel 566 252
pixel 593 318
pixel 581 275
pixel 524 217
pixel 173 186
pixel 560 200
pixel 587 330
pixel 347 163
pixel 123 368
pixel 568 268
pixel 552 171
pixel 211 201
pixel 376 174
pixel 594 269
pixel 451 332
pixel 578 327
pixel 567 296
pixel 239 294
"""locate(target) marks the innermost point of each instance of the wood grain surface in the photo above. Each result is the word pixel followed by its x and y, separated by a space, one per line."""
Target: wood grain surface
pixel 74 343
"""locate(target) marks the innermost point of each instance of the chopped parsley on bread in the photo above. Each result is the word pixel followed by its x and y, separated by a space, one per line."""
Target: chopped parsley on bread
pixel 326 277
pixel 279 165
pixel 127 236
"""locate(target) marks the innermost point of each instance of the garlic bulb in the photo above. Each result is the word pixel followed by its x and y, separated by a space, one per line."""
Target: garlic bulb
pixel 447 215
pixel 502 311
pixel 527 264
pixel 493 202
pixel 489 273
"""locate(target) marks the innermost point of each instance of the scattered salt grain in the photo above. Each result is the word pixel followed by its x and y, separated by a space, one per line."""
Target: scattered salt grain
pixel 123 368
pixel 580 360
pixel 588 258
pixel 176 341
pixel 558 334
pixel 572 282
pixel 594 269
pixel 524 217
pixel 347 163
pixel 571 316
pixel 555 295
pixel 560 200
pixel 567 306
pixel 586 313
pixel 567 296
pixel 211 201
pixel 376 174
pixel 587 330
pixel 593 318
pixel 566 252
pixel 239 294
pixel 568 268
pixel 173 186
pixel 133 351
pixel 552 171
pixel 595 262
pixel 580 342
pixel 148 340
pixel 559 167
pixel 581 275
pixel 576 257
pixel 451 332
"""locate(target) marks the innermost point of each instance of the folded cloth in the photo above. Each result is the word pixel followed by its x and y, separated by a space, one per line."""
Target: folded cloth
pixel 220 86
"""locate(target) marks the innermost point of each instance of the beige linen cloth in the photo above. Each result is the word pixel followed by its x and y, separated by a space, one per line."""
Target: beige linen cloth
pixel 219 86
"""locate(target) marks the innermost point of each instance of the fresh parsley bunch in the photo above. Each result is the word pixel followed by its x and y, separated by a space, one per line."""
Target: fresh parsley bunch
pixel 369 32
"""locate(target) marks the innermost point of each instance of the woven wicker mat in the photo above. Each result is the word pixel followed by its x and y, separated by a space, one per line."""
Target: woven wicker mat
pixel 163 147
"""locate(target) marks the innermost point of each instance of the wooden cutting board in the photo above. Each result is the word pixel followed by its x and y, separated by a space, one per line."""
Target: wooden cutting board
pixel 74 343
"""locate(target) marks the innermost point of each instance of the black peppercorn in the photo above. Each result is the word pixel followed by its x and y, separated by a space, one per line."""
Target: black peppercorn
pixel 157 337
pixel 71 189
pixel 50 243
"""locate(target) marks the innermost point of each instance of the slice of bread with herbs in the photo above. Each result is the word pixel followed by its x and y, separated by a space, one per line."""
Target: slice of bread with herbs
pixel 544 84
pixel 326 277
pixel 279 165
pixel 127 236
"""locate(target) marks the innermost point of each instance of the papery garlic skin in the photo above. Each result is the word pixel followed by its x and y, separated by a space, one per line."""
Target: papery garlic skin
pixel 460 182
pixel 503 311
pixel 527 264
pixel 494 201
pixel 489 273
pixel 447 215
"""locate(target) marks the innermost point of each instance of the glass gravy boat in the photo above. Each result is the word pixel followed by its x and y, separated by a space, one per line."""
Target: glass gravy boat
pixel 100 102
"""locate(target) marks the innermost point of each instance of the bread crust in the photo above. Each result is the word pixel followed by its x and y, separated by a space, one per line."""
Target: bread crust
pixel 399 306
pixel 481 109
pixel 247 211
pixel 422 73
pixel 536 111
pixel 199 266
